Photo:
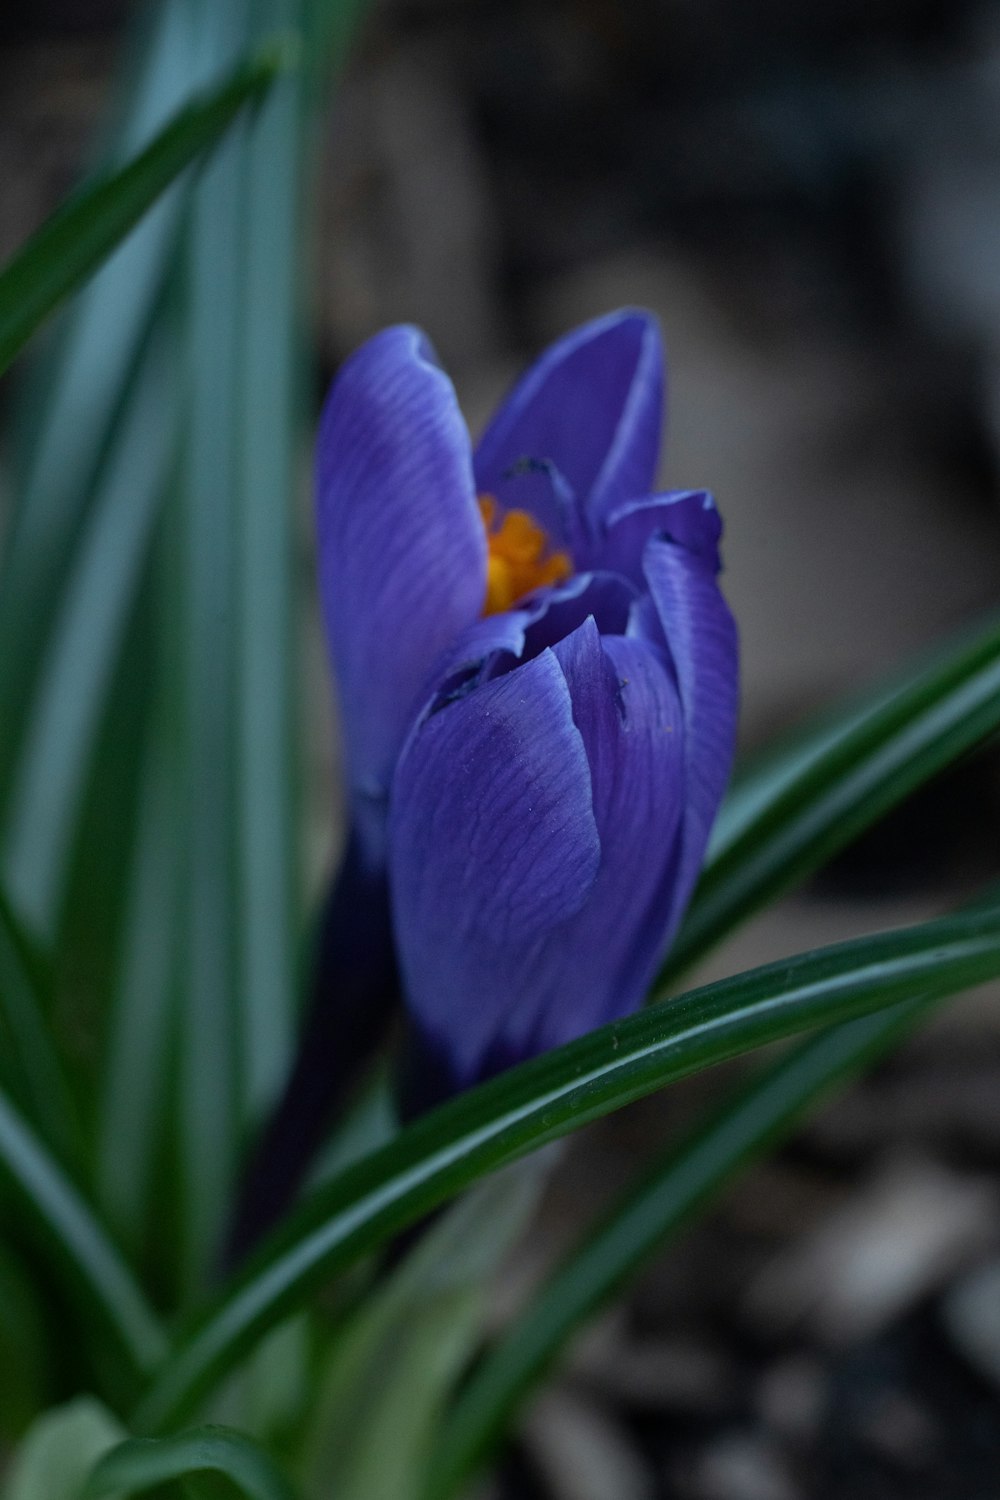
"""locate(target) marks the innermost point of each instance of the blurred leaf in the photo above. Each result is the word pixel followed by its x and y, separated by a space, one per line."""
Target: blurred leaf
pixel 79 236
pixel 209 1078
pixel 276 1386
pixel 548 1097
pixel 31 957
pixel 24 1349
pixel 84 647
pixel 677 1188
pixel 267 376
pixel 371 1120
pixel 141 1463
pixel 99 1284
pixel 392 1369
pixel 330 28
pixel 31 1064
pixel 60 1450
pixel 239 474
pixel 135 1084
pixel 784 819
pixel 673 1191
pixel 79 386
pixel 394 1389
pixel 87 946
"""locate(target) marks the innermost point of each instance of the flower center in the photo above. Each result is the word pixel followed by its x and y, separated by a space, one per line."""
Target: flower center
pixel 520 557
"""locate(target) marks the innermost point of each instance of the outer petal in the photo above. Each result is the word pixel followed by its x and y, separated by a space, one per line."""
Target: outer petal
pixel 592 406
pixel 492 844
pixel 687 517
pixel 598 965
pixel 402 552
pixel 700 636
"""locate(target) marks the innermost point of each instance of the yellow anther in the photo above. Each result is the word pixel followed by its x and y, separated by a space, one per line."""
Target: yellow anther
pixel 519 557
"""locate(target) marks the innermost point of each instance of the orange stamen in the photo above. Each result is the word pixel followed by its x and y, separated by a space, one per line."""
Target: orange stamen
pixel 519 557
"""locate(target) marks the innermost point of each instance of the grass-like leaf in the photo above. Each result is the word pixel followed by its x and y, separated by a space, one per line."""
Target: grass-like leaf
pixel 83 648
pixel 269 424
pixel 140 1464
pixel 98 1281
pixel 80 386
pixel 394 1366
pixel 134 1090
pixel 78 237
pixel 240 481
pixel 671 1193
pixel 25 1346
pixel 235 672
pixel 204 615
pixel 787 818
pixel 551 1096
pixel 60 1449
pixel 32 1066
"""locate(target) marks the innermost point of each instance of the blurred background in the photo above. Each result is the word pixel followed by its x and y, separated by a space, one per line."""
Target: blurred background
pixel 809 198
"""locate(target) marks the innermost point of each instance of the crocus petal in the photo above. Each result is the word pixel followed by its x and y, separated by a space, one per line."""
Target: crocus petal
pixel 700 635
pixel 492 845
pixel 599 964
pixel 486 649
pixel 496 643
pixel 557 612
pixel 402 551
pixel 591 407
pixel 687 517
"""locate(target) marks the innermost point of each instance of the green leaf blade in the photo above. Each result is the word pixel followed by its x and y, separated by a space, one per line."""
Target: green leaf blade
pixel 60 1450
pixel 548 1097
pixel 75 673
pixel 32 1065
pixel 269 417
pixel 77 238
pixel 98 1280
pixel 209 1059
pixel 396 1363
pixel 82 383
pixel 666 1198
pixel 137 1049
pixel 784 821
pixel 141 1463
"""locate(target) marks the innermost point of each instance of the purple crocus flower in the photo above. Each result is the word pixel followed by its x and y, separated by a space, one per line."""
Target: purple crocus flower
pixel 538 684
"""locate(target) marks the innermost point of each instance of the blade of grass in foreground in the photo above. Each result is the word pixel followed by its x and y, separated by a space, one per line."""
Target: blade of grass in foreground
pixel 269 419
pixel 134 1088
pixel 140 1464
pixel 80 235
pixel 85 643
pixel 97 1281
pixel 670 1193
pixel 210 1083
pixel 268 412
pixel 209 1079
pixel 668 1196
pixel 785 820
pixel 77 390
pixel 39 1083
pixel 551 1096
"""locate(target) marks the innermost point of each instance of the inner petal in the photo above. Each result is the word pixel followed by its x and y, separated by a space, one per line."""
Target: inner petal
pixel 606 596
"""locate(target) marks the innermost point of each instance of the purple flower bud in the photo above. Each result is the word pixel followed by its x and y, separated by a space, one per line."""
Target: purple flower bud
pixel 538 682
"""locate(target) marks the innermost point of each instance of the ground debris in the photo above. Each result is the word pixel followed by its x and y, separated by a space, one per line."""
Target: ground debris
pixel 583 1452
pixel 912 1226
pixel 971 1314
pixel 742 1466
